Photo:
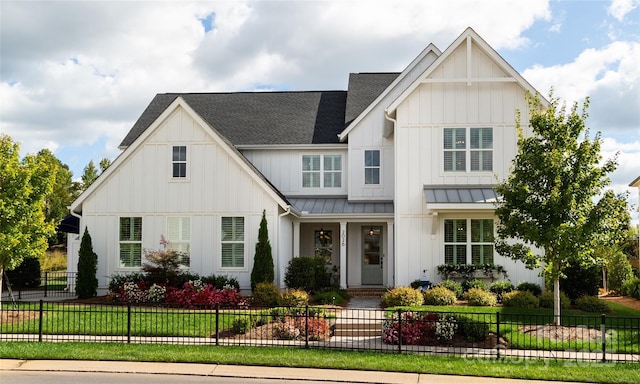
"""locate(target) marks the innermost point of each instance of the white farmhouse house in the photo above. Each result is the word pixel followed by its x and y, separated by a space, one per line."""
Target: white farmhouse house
pixel 387 180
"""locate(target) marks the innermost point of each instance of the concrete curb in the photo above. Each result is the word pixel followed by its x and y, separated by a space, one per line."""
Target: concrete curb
pixel 252 372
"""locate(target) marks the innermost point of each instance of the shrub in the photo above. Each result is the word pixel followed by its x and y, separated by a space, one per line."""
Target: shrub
pixel 546 300
pixel 474 283
pixel 632 287
pixel 581 280
pixel 87 282
pixel 307 273
pixel 592 304
pixel 472 330
pixel 294 298
pixel 25 275
pixel 520 299
pixel 220 281
pixel 162 266
pixel 417 328
pixel 242 324
pixel 618 272
pixel 439 296
pixel 531 287
pixel 402 296
pixel 446 327
pixel 333 297
pixel 265 295
pixel 480 298
pixel 501 287
pixel 116 283
pixel 451 285
pixel 196 294
pixel 262 271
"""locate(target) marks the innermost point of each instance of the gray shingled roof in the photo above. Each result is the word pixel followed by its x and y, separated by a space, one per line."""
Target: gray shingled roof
pixel 364 88
pixel 471 194
pixel 263 118
pixel 255 118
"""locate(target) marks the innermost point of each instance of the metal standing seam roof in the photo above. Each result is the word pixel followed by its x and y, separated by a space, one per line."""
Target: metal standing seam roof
pixel 460 195
pixel 328 206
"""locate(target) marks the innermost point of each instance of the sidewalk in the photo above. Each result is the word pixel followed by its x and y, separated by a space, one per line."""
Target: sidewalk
pixel 248 372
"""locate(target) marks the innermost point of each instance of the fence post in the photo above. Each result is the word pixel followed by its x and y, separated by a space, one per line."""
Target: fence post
pixel 217 323
pixel 399 330
pixel 497 335
pixel 603 330
pixel 46 283
pixel 41 312
pixel 306 326
pixel 128 323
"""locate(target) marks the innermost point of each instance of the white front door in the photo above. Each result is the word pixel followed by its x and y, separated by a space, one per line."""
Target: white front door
pixel 372 256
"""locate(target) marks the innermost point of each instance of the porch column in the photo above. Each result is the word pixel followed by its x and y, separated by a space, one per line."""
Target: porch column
pixel 343 254
pixel 391 263
pixel 296 239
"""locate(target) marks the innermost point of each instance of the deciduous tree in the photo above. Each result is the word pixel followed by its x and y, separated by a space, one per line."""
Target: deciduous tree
pixel 555 198
pixel 24 187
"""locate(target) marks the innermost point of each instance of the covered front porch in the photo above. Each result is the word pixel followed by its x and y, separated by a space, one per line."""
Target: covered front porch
pixel 356 239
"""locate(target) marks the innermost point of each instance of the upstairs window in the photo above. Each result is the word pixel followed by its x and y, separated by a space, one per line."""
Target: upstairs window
pixel 472 153
pixel 232 239
pixel 455 146
pixel 322 171
pixel 179 238
pixel 130 242
pixel 372 167
pixel 179 161
pixel 481 141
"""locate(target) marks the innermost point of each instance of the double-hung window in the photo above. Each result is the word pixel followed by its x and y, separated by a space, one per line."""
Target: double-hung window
pixel 463 237
pixel 321 171
pixel 232 239
pixel 179 161
pixel 372 167
pixel 130 242
pixel 481 150
pixel 472 153
pixel 179 238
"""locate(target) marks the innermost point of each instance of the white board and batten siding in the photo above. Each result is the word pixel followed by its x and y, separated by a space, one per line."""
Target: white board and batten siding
pixel 142 185
pixel 442 101
pixel 283 168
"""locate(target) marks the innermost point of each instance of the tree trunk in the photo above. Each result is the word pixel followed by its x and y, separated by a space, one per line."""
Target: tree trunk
pixel 1 280
pixel 556 294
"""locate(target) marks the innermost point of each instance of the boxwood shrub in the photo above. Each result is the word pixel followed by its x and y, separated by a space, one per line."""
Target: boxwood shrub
pixel 520 299
pixel 592 304
pixel 480 298
pixel 439 296
pixel 451 285
pixel 402 296
pixel 546 300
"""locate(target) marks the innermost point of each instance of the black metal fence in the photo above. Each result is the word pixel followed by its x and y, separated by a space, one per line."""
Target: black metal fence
pixel 52 284
pixel 471 335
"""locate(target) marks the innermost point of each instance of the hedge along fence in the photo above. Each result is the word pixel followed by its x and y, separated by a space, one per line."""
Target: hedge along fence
pixel 487 335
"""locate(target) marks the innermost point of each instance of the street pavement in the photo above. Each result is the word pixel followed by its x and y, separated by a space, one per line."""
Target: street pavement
pixel 247 372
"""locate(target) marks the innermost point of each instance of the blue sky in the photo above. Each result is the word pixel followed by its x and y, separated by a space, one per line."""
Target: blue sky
pixel 74 76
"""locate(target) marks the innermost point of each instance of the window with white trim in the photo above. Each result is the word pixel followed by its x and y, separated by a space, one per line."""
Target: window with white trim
pixel 130 242
pixel 321 171
pixel 179 161
pixel 232 240
pixel 459 243
pixel 372 167
pixel 179 238
pixel 467 154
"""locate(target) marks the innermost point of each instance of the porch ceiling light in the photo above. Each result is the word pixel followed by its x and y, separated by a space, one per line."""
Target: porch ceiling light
pixel 372 232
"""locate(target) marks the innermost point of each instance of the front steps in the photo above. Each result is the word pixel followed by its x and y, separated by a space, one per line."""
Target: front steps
pixel 366 292
pixel 363 328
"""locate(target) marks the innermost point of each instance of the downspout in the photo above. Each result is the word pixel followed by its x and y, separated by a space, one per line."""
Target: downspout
pixel 395 193
pixel 280 216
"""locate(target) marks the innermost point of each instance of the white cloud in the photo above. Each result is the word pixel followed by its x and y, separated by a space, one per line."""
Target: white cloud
pixel 620 8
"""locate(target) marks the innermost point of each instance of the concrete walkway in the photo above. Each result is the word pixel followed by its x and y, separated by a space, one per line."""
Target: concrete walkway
pixel 248 372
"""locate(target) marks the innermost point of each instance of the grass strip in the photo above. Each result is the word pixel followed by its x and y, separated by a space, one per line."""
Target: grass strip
pixel 530 369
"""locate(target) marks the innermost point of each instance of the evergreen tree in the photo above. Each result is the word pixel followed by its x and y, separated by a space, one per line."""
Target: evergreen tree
pixel 87 282
pixel 262 271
